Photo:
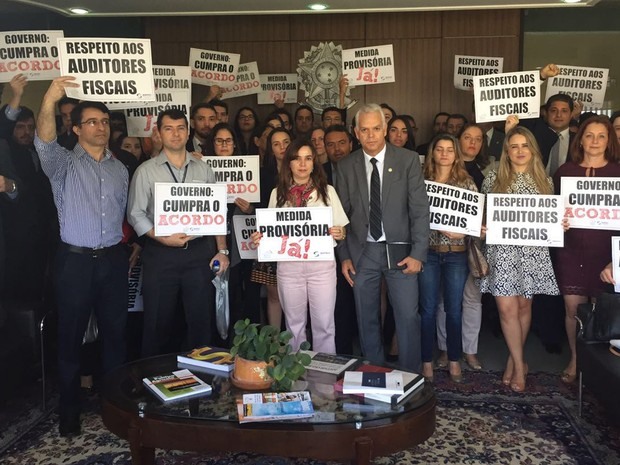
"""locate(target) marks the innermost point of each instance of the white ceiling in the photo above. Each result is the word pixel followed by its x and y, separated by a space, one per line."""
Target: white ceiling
pixel 220 7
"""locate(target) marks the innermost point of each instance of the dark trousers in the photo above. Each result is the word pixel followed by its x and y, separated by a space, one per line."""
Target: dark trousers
pixel 344 314
pixel 83 284
pixel 403 294
pixel 170 272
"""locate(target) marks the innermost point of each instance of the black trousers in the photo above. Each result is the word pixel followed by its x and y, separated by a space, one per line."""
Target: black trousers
pixel 170 273
pixel 85 283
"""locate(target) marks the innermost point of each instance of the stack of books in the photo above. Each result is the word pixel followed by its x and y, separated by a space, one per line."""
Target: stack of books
pixel 380 383
pixel 211 358
pixel 176 385
pixel 329 363
pixel 270 406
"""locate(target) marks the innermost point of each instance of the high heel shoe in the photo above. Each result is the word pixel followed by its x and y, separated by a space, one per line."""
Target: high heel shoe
pixel 568 378
pixel 473 362
pixel 442 361
pixel 427 372
pixel 456 377
pixel 519 386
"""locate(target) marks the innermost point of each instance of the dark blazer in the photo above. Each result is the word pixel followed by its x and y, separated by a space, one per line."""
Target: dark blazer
pixel 497 144
pixel 404 203
pixel 327 167
pixel 545 136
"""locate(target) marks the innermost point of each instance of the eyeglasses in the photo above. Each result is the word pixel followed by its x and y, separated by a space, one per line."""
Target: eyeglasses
pixel 219 141
pixel 95 122
pixel 246 116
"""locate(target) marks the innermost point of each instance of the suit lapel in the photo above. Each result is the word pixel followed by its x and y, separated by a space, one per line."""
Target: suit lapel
pixel 388 171
pixel 360 173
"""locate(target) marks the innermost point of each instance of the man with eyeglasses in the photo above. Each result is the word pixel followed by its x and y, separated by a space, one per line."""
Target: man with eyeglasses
pixel 90 192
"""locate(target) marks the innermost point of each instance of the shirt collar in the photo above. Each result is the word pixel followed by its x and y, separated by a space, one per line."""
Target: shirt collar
pixel 162 158
pixel 80 152
pixel 380 157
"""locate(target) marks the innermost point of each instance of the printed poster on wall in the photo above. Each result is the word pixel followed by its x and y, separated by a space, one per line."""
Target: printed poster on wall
pixel 31 53
pixel 195 209
pixel 277 87
pixel 368 65
pixel 585 85
pixel 499 96
pixel 534 220
pixel 210 67
pixel 466 67
pixel 293 234
pixel 108 69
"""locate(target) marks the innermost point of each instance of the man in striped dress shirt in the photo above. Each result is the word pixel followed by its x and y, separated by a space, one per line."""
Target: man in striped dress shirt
pixel 90 192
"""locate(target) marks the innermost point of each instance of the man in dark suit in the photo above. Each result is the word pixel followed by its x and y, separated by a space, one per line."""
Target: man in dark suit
pixel 382 190
pixel 203 118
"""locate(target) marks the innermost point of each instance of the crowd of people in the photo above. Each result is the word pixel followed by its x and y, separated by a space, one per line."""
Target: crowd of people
pixel 82 191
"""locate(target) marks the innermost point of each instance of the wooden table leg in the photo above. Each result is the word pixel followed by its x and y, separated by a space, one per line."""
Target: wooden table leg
pixel 139 455
pixel 363 451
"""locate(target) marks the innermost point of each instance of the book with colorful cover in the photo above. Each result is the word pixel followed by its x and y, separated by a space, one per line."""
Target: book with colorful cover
pixel 213 358
pixel 176 385
pixel 270 406
pixel 329 363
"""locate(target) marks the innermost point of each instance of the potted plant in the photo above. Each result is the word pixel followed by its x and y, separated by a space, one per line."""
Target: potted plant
pixel 271 357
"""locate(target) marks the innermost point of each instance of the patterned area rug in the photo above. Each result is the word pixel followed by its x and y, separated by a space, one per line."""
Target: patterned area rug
pixel 478 422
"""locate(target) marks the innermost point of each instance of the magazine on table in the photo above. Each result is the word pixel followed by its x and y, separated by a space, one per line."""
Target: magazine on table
pixel 176 385
pixel 329 363
pixel 270 406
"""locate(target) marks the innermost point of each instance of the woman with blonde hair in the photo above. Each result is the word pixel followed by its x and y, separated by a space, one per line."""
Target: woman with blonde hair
pixel 446 268
pixel 518 272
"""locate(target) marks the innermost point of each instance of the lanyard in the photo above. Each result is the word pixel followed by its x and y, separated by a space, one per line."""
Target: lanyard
pixel 174 177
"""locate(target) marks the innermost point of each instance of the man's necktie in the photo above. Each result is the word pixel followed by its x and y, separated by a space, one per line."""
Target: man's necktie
pixel 554 162
pixel 375 202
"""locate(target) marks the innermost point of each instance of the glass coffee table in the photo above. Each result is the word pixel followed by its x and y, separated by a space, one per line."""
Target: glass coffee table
pixel 344 427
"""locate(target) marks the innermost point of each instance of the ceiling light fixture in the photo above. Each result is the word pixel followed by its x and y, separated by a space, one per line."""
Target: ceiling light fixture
pixel 79 11
pixel 318 6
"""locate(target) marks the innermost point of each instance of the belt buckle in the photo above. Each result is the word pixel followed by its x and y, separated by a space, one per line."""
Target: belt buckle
pixel 96 253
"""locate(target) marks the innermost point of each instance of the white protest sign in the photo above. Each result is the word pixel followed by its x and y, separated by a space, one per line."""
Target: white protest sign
pixel 244 226
pixel 277 87
pixel 247 83
pixel 32 53
pixel 213 68
pixel 502 95
pixel 534 220
pixel 108 69
pixel 293 234
pixel 135 302
pixel 368 65
pixel 615 261
pixel 466 67
pixel 240 173
pixel 592 203
pixel 454 209
pixel 192 208
pixel 586 85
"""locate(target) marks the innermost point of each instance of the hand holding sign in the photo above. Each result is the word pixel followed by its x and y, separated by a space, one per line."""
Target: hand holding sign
pixel 57 91
pixel 549 70
pixel 18 83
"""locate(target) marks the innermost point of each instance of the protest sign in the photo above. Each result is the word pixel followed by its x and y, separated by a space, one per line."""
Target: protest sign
pixel 240 173
pixel 292 234
pixel 192 208
pixel 172 90
pixel 108 70
pixel 277 87
pixel 586 85
pixel 31 53
pixel 502 95
pixel 368 65
pixel 247 82
pixel 592 203
pixel 454 209
pixel 534 220
pixel 244 226
pixel 615 261
pixel 134 298
pixel 466 67
pixel 210 67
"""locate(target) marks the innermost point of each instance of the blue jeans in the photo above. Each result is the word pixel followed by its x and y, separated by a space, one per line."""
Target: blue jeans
pixel 447 271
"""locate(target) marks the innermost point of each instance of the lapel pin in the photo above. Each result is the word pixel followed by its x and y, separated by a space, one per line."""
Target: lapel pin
pixel 389 170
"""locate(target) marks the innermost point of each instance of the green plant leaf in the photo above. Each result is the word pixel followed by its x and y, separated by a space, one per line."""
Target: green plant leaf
pixel 304 359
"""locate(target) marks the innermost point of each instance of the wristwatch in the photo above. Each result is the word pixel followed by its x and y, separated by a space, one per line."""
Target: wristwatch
pixel 223 251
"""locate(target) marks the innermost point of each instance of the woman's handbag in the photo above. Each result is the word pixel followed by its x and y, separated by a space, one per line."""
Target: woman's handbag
pixel 478 265
pixel 600 321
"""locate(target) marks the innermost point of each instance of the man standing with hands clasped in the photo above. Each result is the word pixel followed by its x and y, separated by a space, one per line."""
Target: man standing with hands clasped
pixel 177 265
pixel 90 192
pixel 382 190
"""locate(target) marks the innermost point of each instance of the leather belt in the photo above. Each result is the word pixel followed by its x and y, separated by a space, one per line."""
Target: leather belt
pixel 446 248
pixel 93 252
